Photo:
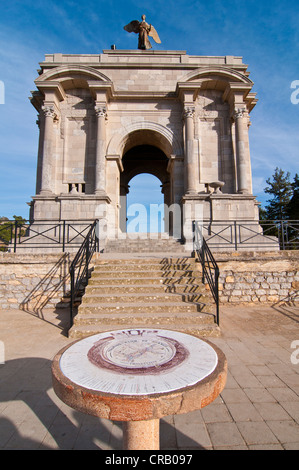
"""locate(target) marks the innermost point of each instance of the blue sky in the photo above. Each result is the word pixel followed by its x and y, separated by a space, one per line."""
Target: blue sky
pixel 265 33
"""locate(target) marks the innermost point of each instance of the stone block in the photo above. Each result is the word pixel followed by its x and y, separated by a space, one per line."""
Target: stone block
pixel 261 292
pixel 273 298
pixel 275 286
pixel 236 292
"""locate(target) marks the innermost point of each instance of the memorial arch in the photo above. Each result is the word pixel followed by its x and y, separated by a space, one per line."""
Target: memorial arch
pixel 106 117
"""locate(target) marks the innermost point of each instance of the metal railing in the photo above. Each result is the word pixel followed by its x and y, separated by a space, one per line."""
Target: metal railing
pixel 210 269
pixel 62 235
pixel 286 231
pixel 79 269
pixel 236 235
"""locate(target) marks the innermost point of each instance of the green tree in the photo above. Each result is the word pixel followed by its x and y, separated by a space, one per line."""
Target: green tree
pixel 293 206
pixel 281 190
pixel 293 213
pixel 7 230
pixel 262 213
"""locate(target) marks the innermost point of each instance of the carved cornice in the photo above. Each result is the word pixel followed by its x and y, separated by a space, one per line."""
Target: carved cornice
pixel 51 87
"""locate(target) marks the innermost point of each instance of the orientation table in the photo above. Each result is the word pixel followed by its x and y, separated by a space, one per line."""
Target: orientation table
pixel 138 376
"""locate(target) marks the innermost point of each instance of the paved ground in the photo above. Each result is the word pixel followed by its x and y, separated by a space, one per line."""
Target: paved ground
pixel 258 409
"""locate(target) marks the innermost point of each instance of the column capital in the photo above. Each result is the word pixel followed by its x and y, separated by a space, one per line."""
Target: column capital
pixel 49 111
pixel 189 111
pixel 101 111
pixel 238 113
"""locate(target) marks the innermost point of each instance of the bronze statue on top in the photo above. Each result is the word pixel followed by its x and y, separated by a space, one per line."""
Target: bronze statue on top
pixel 144 30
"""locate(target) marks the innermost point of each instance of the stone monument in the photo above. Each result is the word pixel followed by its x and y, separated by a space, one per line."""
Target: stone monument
pixel 105 118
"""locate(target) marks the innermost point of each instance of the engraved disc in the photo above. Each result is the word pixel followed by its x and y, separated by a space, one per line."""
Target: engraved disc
pixel 140 352
pixel 138 362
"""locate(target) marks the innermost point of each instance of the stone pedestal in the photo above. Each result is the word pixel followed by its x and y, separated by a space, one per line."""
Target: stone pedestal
pixel 138 376
pixel 76 210
pixel 142 435
pixel 230 222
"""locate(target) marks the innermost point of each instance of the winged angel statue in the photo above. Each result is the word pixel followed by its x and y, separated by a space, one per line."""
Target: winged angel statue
pixel 144 30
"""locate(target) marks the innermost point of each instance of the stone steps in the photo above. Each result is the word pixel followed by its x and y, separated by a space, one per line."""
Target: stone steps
pixel 133 307
pixel 200 330
pixel 163 275
pixel 141 243
pixel 141 297
pixel 145 292
pixel 128 287
pixel 146 318
pixel 142 281
pixel 135 265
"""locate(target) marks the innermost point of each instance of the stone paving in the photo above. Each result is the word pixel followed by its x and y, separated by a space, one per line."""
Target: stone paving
pixel 258 409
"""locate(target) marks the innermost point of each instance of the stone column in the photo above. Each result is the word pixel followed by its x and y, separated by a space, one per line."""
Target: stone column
pixel 142 435
pixel 165 189
pixel 190 168
pixel 242 167
pixel 124 190
pixel 46 171
pixel 100 169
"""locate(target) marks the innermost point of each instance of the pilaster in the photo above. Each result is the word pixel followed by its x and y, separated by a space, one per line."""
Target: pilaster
pixel 242 159
pixel 190 163
pixel 100 168
pixel 47 176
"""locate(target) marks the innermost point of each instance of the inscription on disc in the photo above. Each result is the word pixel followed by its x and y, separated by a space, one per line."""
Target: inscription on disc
pixel 137 352
pixel 138 362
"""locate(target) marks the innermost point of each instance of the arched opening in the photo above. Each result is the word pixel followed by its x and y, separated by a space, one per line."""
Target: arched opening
pixel 145 205
pixel 144 189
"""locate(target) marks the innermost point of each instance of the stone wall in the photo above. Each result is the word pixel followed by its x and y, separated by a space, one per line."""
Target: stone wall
pixel 258 277
pixel 32 282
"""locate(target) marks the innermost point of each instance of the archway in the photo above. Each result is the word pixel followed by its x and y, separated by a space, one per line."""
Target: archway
pixel 145 205
pixel 149 163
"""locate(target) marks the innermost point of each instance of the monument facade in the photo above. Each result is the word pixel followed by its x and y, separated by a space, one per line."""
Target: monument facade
pixel 105 118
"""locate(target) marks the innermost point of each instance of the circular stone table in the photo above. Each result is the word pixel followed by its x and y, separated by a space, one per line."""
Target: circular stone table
pixel 138 376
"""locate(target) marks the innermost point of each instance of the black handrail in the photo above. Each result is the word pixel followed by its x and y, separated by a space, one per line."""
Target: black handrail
pixel 210 269
pixel 246 235
pixel 60 235
pixel 79 269
pixel 64 235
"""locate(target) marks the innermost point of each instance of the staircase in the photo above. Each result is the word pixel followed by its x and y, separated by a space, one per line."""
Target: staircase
pixel 150 290
pixel 141 243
